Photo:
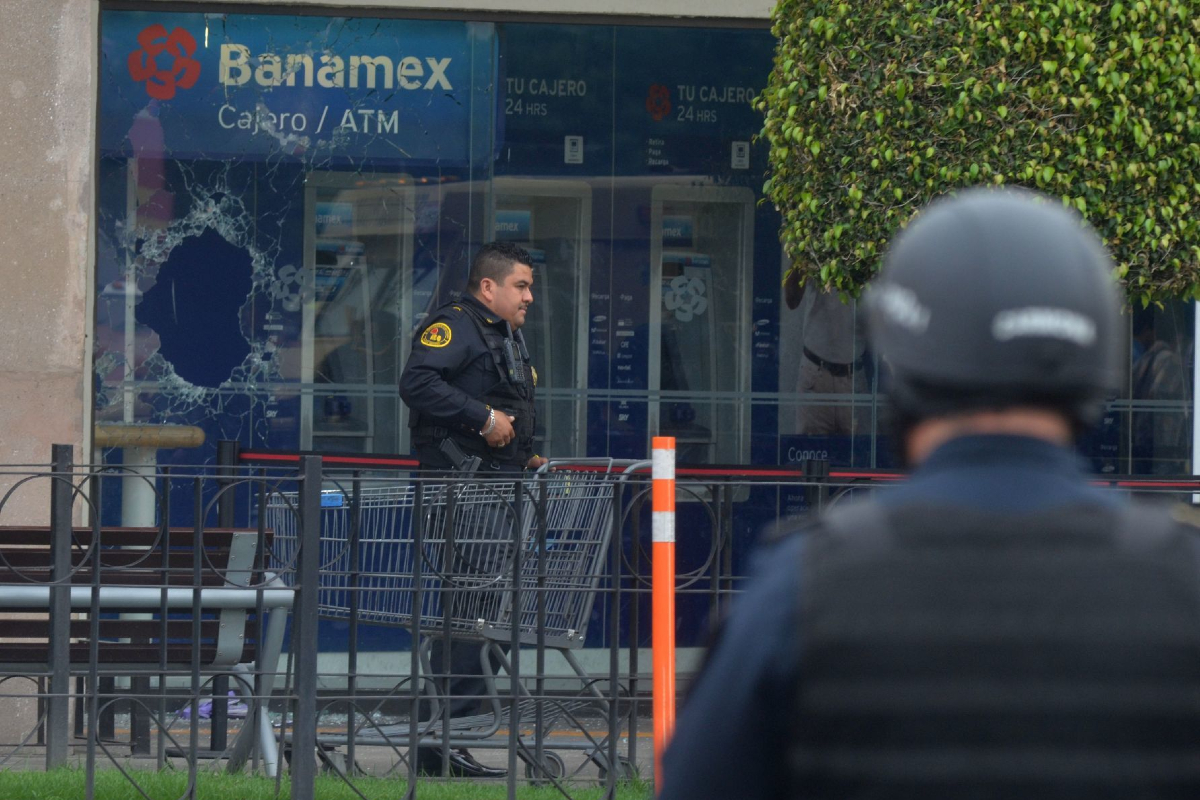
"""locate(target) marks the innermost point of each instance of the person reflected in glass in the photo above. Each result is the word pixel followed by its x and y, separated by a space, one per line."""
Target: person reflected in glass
pixel 832 361
pixel 1159 433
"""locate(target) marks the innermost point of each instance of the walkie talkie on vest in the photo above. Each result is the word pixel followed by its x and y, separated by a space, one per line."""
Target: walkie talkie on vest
pixel 519 336
pixel 515 365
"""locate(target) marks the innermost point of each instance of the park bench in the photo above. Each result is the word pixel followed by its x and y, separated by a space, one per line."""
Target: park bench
pixel 174 603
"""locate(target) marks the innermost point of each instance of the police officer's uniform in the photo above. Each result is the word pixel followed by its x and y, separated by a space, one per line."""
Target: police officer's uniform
pixel 994 627
pixel 793 705
pixel 463 362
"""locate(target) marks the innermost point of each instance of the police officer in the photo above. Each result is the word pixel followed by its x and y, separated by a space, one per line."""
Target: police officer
pixel 469 388
pixel 468 380
pixel 995 626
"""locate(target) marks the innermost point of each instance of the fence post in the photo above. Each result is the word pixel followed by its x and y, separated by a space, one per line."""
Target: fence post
pixel 614 647
pixel 227 451
pixel 58 703
pixel 816 476
pixel 663 596
pixel 514 653
pixel 226 504
pixel 304 632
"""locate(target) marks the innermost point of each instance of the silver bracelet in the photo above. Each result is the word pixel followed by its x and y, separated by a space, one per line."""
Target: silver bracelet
pixel 491 423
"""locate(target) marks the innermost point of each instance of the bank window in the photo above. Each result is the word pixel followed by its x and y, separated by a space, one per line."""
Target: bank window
pixel 701 254
pixel 552 220
pixel 358 276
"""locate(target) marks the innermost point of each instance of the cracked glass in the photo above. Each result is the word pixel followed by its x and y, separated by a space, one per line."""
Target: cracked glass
pixel 281 199
pixel 284 199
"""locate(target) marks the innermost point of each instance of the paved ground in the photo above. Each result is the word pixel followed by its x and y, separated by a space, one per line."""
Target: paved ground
pixel 569 746
pixel 19 702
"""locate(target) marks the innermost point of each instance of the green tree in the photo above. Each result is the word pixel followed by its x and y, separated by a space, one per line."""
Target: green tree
pixel 875 107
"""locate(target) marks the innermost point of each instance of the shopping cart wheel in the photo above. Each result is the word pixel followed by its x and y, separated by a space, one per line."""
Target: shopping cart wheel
pixel 552 767
pixel 626 771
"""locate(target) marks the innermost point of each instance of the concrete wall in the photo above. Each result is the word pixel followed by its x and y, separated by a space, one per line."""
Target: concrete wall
pixel 48 90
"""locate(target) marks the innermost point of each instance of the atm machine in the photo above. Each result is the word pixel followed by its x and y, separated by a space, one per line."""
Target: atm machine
pixel 700 321
pixel 358 276
pixel 552 220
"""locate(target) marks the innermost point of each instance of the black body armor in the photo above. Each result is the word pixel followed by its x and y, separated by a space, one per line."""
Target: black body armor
pixel 962 654
pixel 497 372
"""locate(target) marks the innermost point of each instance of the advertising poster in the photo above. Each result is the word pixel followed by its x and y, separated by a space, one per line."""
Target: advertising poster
pixel 264 86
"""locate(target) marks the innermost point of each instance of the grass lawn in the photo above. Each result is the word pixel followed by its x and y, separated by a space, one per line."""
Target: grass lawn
pixel 68 784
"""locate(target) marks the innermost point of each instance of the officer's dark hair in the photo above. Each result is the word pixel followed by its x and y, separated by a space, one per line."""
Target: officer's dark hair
pixel 996 299
pixel 495 260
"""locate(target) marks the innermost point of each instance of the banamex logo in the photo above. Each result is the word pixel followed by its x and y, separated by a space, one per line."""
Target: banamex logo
pixel 163 79
pixel 658 101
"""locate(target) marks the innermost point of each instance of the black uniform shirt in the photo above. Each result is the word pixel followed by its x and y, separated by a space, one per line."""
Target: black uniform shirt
pixel 452 376
pixel 450 368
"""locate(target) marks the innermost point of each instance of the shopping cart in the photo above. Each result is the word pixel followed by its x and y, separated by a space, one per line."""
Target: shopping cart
pixel 439 558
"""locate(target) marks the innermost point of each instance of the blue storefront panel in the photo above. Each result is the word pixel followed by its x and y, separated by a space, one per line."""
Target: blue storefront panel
pixel 282 198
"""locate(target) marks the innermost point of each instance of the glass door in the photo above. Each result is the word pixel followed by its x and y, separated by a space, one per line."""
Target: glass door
pixel 358 273
pixel 552 220
pixel 701 256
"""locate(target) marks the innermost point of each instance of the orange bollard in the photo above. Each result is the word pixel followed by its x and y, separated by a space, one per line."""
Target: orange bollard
pixel 663 594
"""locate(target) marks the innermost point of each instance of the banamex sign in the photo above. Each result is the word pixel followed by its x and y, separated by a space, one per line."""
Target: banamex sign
pixel 390 91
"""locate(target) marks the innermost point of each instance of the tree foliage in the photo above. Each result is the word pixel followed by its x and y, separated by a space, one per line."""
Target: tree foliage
pixel 875 107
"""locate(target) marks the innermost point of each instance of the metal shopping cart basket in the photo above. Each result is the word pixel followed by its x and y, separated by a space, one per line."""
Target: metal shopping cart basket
pixel 440 557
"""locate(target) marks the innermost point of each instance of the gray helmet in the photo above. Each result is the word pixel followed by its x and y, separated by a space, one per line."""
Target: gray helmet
pixel 992 299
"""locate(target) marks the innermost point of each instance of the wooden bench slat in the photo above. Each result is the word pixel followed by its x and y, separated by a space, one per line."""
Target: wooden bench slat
pixel 130 558
pixel 109 653
pixel 145 629
pixel 183 558
pixel 34 577
pixel 119 537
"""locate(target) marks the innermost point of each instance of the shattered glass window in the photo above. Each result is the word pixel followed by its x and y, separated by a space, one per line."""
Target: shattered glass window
pixel 281 197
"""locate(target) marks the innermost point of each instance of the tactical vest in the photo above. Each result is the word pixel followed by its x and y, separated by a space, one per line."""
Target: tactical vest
pixel 512 393
pixel 953 654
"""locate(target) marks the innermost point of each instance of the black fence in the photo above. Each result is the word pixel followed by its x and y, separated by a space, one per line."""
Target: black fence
pixel 242 629
pixel 118 639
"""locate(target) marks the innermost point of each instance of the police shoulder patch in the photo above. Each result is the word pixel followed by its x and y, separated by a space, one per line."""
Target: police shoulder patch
pixel 437 335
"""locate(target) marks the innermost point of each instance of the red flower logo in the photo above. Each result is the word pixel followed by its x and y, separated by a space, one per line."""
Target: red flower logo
pixel 143 65
pixel 658 101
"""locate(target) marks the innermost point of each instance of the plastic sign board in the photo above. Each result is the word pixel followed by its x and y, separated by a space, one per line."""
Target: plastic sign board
pixel 310 87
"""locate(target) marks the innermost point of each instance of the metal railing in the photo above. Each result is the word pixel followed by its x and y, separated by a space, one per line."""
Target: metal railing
pixel 149 623
pixel 546 576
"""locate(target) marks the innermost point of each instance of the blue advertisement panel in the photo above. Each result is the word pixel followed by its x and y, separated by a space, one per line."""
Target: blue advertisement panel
pixel 292 87
pixel 686 101
pixel 554 100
